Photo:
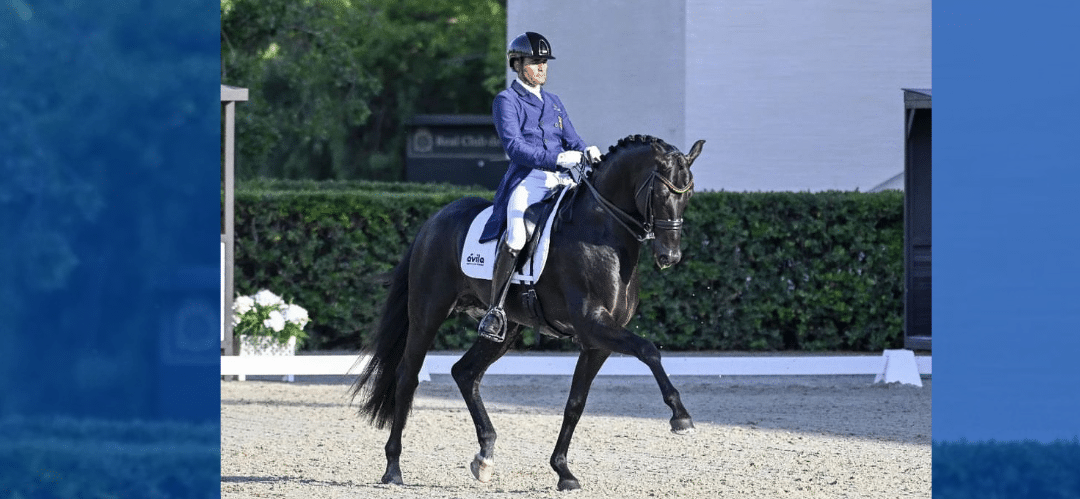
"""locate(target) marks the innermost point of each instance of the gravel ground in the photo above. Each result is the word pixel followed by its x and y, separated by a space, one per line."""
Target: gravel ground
pixel 757 437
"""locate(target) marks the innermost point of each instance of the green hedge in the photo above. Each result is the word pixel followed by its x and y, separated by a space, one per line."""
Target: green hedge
pixel 760 271
pixel 781 271
pixel 330 250
pixel 265 184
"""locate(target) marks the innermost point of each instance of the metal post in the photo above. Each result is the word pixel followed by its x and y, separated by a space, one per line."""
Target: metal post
pixel 917 220
pixel 229 97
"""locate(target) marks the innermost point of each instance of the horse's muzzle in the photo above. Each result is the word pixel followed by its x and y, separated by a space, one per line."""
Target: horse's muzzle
pixel 665 259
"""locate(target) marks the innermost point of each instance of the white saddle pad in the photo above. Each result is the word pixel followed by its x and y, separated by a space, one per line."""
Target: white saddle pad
pixel 478 260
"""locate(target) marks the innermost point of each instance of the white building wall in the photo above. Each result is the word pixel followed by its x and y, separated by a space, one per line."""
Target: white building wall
pixel 790 96
pixel 804 95
pixel 619 65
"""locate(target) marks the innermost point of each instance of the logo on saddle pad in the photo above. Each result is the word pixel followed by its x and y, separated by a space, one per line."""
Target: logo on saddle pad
pixel 477 259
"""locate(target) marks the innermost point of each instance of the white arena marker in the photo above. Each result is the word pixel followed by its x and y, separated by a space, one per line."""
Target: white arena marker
pixel 900 367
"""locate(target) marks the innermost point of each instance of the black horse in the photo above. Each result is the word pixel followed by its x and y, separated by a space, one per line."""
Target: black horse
pixel 588 292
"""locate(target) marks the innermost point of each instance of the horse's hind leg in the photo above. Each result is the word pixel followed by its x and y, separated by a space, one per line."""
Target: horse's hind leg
pixel 467 373
pixel 407 381
pixel 422 328
pixel 589 363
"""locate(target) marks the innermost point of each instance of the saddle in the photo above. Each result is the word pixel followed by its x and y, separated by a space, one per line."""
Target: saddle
pixel 541 220
pixel 477 259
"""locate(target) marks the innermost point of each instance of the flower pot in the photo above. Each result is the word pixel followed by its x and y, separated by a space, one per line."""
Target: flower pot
pixel 254 346
pixel 251 346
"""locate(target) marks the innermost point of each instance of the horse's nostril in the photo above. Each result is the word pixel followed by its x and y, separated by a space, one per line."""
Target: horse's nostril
pixel 665 260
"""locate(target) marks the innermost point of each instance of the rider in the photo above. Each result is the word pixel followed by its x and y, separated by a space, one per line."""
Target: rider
pixel 543 149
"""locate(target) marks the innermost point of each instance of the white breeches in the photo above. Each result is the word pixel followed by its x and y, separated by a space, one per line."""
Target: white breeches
pixel 530 191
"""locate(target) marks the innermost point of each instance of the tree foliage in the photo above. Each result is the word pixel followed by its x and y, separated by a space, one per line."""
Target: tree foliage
pixel 332 84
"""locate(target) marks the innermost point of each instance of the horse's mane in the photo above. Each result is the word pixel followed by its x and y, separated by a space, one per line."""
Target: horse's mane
pixel 635 140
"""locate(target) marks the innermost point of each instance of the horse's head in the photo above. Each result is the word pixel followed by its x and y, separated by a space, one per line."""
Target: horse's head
pixel 644 184
pixel 663 196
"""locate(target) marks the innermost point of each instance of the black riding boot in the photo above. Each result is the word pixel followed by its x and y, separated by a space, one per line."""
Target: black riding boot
pixel 493 325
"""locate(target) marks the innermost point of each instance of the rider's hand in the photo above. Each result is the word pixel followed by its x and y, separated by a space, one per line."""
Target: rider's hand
pixel 592 153
pixel 569 159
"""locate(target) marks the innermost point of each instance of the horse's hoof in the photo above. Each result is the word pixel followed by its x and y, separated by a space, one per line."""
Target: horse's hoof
pixel 569 484
pixel 392 475
pixel 482 469
pixel 683 426
pixel 392 479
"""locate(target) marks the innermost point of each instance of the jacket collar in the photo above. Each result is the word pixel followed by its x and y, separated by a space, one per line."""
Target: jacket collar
pixel 527 95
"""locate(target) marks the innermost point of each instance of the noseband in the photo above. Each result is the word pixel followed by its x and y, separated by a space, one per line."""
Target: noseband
pixel 643 230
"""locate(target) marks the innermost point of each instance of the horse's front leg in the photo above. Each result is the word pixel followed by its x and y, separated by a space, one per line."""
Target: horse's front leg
pixel 467 372
pixel 627 343
pixel 589 363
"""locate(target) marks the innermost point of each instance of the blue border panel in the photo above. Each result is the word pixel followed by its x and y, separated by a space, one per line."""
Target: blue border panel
pixel 1006 203
pixel 110 254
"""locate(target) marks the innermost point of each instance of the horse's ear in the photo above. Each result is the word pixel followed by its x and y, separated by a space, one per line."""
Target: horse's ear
pixel 694 152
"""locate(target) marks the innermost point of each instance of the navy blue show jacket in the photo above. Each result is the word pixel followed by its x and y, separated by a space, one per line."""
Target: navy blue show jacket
pixel 533 133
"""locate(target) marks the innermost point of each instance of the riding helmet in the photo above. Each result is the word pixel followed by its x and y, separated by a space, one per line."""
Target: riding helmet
pixel 528 44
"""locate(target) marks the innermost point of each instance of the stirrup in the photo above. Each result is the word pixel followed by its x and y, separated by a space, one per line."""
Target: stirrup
pixel 493 325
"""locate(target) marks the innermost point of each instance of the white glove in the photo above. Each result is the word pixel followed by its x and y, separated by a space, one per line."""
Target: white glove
pixel 568 159
pixel 592 153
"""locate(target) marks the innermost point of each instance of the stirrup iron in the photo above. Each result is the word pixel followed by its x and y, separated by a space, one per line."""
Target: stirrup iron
pixel 493 325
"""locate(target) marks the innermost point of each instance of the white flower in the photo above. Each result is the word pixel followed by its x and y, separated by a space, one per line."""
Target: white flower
pixel 267 298
pixel 296 315
pixel 276 321
pixel 243 304
pixel 267 314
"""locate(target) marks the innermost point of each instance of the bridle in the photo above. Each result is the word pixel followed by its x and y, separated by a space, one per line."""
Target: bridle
pixel 643 230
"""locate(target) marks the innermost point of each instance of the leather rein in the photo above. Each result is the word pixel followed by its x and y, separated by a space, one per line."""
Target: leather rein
pixel 642 230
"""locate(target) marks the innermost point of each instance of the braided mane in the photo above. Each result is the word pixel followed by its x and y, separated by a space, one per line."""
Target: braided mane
pixel 635 140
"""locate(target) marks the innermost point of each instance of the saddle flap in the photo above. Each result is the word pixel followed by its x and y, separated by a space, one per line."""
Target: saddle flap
pixel 478 259
pixel 537 215
pixel 537 212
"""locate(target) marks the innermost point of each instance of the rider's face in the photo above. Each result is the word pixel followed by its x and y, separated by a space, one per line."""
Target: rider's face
pixel 533 70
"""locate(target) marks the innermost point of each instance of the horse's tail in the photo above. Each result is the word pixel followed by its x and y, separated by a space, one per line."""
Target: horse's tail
pixel 377 383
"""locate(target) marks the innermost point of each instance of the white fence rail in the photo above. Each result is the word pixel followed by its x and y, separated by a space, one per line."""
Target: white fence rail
pixel 892 365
